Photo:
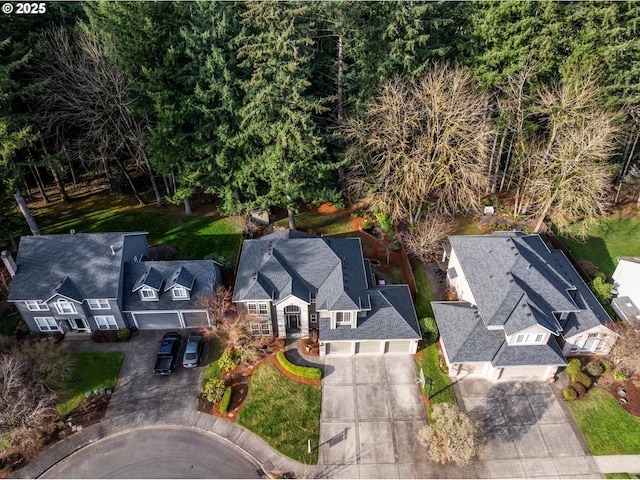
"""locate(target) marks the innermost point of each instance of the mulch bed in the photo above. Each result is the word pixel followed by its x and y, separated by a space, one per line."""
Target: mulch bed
pixel 618 389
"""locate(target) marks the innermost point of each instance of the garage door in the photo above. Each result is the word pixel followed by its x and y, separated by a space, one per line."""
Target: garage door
pixel 369 347
pixel 339 348
pixel 530 372
pixel 195 319
pixel 398 346
pixel 151 321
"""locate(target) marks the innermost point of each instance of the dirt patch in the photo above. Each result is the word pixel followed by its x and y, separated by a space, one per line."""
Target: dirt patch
pixel 626 393
pixel 327 208
pixel 310 347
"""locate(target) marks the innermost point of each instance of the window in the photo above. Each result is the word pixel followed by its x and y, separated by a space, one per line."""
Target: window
pixel 106 322
pixel 36 306
pixel 99 304
pixel 179 292
pixel 343 318
pixel 64 306
pixel 530 338
pixel 260 329
pixel 46 324
pixel 576 346
pixel 258 308
pixel 148 293
pixel 603 343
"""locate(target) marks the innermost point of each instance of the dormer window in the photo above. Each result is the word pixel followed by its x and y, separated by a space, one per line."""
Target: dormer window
pixel 65 307
pixel 529 338
pixel 147 294
pixel 180 293
pixel 343 319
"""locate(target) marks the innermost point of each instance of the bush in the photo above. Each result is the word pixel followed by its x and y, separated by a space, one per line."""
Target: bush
pixel 228 360
pixel 620 376
pixel 226 400
pixel 606 366
pixel 226 266
pixel 594 369
pixel 569 393
pixel 311 373
pixel 429 329
pixel 582 378
pixel 385 221
pixel 573 367
pixel 579 388
pixel 124 334
pixel 213 390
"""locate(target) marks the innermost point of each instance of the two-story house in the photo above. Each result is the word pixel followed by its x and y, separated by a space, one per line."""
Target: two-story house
pixel 290 282
pixel 105 281
pixel 522 309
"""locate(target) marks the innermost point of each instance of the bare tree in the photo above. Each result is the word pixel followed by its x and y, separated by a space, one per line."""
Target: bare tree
pixel 86 105
pixel 425 239
pixel 420 142
pixel 451 436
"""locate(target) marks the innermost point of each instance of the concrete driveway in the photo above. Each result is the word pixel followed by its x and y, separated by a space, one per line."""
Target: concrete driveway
pixel 372 410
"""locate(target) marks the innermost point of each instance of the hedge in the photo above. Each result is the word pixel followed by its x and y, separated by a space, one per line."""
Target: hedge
pixel 311 373
pixel 226 400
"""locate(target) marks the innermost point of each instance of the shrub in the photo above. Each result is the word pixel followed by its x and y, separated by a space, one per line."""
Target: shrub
pixel 579 388
pixel 429 329
pixel 582 378
pixel 606 365
pixel 124 334
pixel 228 360
pixel 569 393
pixel 311 373
pixel 213 390
pixel 573 367
pixel 226 400
pixel 620 376
pixel 594 369
pixel 385 221
pixel 226 266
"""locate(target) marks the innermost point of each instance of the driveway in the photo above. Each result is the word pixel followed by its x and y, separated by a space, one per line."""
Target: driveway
pixel 529 431
pixel 372 410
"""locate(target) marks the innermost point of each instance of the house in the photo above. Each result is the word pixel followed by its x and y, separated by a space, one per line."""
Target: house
pixel 290 282
pixel 626 301
pixel 522 309
pixel 105 281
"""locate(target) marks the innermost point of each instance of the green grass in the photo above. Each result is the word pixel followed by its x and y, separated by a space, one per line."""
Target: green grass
pixel 395 275
pixel 606 427
pixel 467 226
pixel 91 371
pixel 425 294
pixel 193 236
pixel 442 391
pixel 622 475
pixel 328 224
pixel 212 369
pixel 284 413
pixel 615 236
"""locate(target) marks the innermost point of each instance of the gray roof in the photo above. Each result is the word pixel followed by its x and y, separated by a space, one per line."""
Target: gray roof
pixel 294 263
pixel 151 278
pixel 205 273
pixel 467 340
pixel 61 264
pixel 518 282
pixel 392 317
pixel 183 277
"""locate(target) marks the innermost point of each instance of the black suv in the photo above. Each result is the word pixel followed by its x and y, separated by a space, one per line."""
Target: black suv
pixel 167 353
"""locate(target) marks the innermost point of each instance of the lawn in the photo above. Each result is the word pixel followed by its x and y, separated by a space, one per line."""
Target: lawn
pixel 328 224
pixel 212 369
pixel 467 226
pixel 606 427
pixel 615 236
pixel 284 413
pixel 442 391
pixel 425 294
pixel 193 236
pixel 91 371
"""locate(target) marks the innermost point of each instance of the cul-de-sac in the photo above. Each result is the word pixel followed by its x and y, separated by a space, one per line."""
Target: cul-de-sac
pixel 295 239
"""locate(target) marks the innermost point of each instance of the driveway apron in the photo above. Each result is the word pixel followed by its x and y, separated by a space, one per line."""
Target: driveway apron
pixel 372 410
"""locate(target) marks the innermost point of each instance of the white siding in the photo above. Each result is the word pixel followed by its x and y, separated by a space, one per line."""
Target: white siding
pixel 304 316
pixel 625 280
pixel 460 282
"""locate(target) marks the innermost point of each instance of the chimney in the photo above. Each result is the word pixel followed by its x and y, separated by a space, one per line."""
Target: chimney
pixel 9 263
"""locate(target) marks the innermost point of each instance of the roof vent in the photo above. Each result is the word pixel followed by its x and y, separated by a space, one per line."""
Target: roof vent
pixel 72 231
pixel 113 250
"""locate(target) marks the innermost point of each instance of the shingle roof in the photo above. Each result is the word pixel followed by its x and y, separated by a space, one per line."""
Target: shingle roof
pixel 183 277
pixel 151 278
pixel 467 340
pixel 279 265
pixel 391 317
pixel 518 282
pixel 49 262
pixel 206 276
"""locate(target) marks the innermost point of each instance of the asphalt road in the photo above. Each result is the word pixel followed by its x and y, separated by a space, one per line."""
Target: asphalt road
pixel 156 452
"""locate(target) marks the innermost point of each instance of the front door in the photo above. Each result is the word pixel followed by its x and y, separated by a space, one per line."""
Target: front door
pixel 78 324
pixel 293 321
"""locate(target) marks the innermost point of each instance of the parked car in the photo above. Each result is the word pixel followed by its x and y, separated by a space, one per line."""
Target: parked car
pixel 193 352
pixel 167 353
